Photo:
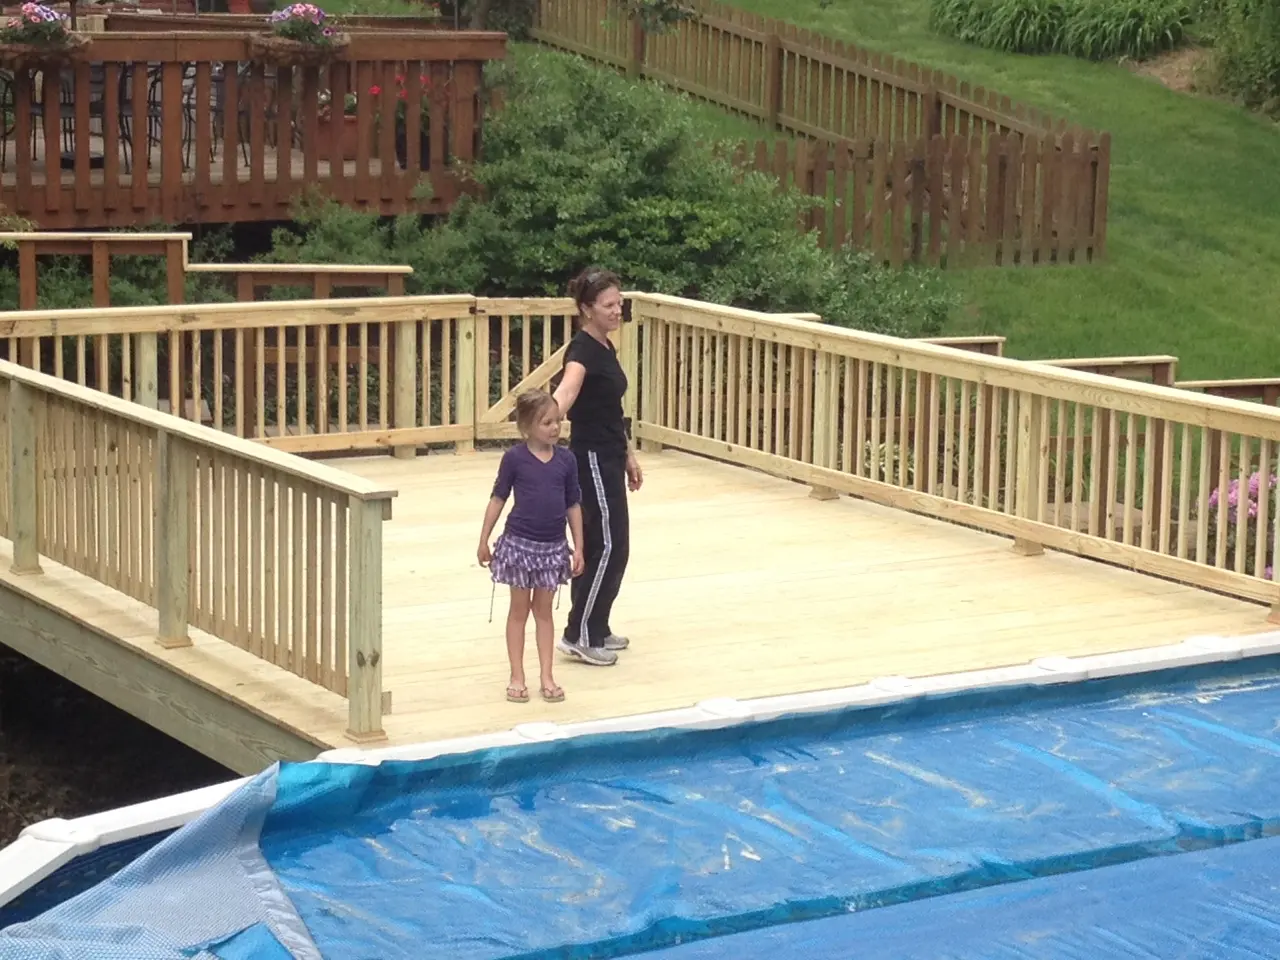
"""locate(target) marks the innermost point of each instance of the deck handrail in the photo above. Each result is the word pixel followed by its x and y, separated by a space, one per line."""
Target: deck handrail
pixel 274 554
pixel 1052 456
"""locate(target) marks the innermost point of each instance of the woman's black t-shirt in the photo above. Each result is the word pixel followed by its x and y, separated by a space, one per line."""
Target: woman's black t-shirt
pixel 598 423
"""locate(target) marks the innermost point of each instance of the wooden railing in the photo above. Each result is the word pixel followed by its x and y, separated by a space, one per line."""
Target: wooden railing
pixel 820 88
pixel 152 22
pixel 229 139
pixel 1011 447
pixel 274 554
pixel 1262 390
pixel 1090 461
pixel 247 280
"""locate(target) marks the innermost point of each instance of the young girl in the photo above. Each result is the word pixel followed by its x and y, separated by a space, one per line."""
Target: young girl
pixel 532 556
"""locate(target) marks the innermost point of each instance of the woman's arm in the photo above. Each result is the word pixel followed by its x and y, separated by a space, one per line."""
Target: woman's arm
pixel 570 386
pixel 491 514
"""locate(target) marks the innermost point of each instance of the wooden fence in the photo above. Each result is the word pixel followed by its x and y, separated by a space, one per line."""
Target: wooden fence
pixel 274 554
pixel 947 202
pixel 819 88
pixel 227 138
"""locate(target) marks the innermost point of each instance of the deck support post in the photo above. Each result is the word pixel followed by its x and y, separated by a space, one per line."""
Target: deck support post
pixel 364 628
pixel 470 374
pixel 25 409
pixel 175 493
pixel 405 402
pixel 826 406
pixel 1030 453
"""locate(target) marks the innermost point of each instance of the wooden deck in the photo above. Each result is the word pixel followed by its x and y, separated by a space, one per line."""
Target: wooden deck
pixel 740 585
pixel 207 98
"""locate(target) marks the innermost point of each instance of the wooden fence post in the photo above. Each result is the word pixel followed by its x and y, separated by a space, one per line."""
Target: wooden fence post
pixel 364 625
pixel 635 61
pixel 1031 451
pixel 405 410
pixel 175 489
pixel 826 420
pixel 24 477
pixel 469 394
pixel 773 54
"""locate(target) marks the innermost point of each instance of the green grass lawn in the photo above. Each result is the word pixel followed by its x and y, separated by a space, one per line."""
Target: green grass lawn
pixel 1193 243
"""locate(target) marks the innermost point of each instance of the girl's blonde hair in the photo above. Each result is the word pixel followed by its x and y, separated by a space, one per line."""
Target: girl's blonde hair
pixel 529 407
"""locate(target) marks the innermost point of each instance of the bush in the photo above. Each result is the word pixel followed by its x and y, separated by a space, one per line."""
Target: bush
pixel 1246 61
pixel 1090 29
pixel 583 166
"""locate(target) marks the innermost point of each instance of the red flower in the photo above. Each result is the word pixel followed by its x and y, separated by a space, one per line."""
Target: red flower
pixel 375 91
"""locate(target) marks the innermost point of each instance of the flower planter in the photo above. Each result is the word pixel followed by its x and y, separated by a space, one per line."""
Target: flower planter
pixel 343 133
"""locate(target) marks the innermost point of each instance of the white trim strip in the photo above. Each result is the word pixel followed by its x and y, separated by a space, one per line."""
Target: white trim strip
pixel 597 481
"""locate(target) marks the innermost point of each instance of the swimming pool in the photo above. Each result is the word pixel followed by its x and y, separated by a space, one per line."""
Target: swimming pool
pixel 732 821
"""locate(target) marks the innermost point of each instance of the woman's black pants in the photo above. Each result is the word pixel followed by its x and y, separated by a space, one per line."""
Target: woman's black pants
pixel 606 529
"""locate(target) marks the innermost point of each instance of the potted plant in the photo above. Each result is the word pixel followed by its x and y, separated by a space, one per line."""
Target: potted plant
pixel 343 128
pixel 301 35
pixel 38 36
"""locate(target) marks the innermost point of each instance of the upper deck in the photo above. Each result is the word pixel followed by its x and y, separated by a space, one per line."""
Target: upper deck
pixel 226 135
pixel 258 605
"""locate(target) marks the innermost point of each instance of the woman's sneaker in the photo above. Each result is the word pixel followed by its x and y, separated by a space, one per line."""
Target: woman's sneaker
pixel 615 642
pixel 596 656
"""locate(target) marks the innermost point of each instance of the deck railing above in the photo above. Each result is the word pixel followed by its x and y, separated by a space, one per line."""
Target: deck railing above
pixel 274 554
pixel 187 128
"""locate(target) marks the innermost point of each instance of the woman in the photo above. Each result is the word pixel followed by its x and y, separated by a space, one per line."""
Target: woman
pixel 590 395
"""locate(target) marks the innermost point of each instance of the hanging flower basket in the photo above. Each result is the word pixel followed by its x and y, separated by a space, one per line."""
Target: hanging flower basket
pixel 38 37
pixel 284 52
pixel 302 35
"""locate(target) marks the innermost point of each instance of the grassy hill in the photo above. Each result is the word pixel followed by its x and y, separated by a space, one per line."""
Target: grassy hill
pixel 1193 265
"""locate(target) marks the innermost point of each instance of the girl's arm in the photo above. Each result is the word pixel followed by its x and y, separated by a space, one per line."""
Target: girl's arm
pixel 575 528
pixel 491 514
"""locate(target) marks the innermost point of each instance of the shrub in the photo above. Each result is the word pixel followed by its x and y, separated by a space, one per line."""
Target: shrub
pixel 1246 61
pixel 1090 29
pixel 583 166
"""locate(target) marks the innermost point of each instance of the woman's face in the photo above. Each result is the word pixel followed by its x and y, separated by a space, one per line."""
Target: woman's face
pixel 606 313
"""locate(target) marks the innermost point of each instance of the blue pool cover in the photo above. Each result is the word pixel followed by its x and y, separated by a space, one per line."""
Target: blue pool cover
pixel 613 845
pixel 1219 904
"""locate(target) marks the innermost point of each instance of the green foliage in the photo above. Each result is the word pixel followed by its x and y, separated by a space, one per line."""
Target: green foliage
pixel 1247 51
pixel 1089 29
pixel 582 167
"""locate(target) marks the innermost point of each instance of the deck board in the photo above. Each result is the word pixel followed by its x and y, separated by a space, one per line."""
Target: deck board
pixel 739 585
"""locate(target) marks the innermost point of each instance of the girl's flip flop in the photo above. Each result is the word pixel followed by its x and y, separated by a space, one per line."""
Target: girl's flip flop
pixel 552 694
pixel 518 694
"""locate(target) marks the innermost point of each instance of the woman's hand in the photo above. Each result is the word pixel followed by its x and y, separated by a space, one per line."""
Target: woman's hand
pixel 484 554
pixel 579 564
pixel 635 476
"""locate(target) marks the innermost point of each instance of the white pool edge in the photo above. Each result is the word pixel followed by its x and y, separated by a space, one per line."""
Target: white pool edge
pixel 45 847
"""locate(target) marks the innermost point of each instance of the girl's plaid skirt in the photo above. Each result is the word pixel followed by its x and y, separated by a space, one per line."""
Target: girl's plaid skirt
pixel 530 564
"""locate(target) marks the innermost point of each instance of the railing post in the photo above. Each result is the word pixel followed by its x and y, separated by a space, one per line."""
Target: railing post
pixel 1030 452
pixel 24 477
pixel 629 357
pixel 825 420
pixel 470 393
pixel 406 383
pixel 175 490
pixel 364 628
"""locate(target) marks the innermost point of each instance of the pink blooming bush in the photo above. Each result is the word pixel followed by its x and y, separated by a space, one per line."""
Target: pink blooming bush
pixel 36 24
pixel 304 22
pixel 1246 506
